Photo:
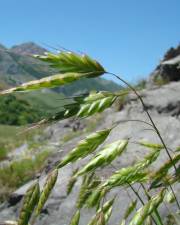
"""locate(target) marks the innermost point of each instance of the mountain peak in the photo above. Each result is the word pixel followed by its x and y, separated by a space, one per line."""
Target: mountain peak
pixel 28 48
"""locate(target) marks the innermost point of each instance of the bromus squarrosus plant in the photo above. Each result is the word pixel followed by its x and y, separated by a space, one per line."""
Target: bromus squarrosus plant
pixel 156 185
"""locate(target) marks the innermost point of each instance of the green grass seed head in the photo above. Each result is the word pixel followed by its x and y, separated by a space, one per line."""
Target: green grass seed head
pixel 105 156
pixel 29 202
pixel 85 147
pixel 50 182
pixel 75 219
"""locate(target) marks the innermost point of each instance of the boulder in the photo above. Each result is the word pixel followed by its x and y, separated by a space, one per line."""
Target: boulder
pixel 169 68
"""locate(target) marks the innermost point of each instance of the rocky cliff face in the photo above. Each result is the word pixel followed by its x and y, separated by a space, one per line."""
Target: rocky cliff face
pixel 169 68
pixel 164 106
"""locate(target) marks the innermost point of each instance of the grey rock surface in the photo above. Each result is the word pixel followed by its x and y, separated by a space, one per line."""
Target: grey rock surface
pixel 164 106
pixel 169 67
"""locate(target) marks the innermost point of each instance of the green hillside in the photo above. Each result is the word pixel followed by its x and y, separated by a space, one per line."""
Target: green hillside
pixel 24 108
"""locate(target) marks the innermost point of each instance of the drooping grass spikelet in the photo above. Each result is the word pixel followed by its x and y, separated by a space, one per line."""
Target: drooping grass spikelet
pixel 96 102
pixel 88 188
pixel 130 209
pixel 141 215
pixel 85 147
pixel 151 145
pixel 49 184
pixel 132 174
pixel 95 197
pixel 75 219
pixel 124 176
pixel 70 109
pixel 46 82
pixel 99 219
pixel 107 209
pixel 148 160
pixel 104 212
pixel 29 202
pixel 169 197
pixel 71 62
pixel 148 221
pixel 163 171
pixel 84 192
pixel 105 156
pixel 71 182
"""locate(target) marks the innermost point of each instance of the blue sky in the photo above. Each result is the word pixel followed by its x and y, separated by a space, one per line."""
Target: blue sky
pixel 128 37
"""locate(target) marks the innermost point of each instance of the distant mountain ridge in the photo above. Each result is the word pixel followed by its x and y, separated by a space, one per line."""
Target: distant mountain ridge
pixel 17 66
pixel 29 48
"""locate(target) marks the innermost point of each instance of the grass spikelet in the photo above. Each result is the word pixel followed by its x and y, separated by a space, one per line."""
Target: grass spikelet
pixel 124 176
pixel 141 215
pixel 75 219
pixel 107 209
pixel 123 222
pixel 148 221
pixel 70 109
pixel 148 160
pixel 84 193
pixel 95 197
pixel 104 212
pixel 130 209
pixel 71 182
pixel 105 156
pixel 169 197
pixel 85 147
pixel 163 171
pixel 49 184
pixel 96 102
pixel 132 174
pixel 46 82
pixel 29 202
pixel 151 145
pixel 99 219
pixel 71 62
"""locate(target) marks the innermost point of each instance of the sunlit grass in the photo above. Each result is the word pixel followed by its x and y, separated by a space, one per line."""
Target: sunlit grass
pixel 19 172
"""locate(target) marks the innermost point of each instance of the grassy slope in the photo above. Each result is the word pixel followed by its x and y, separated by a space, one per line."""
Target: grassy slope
pixel 47 101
